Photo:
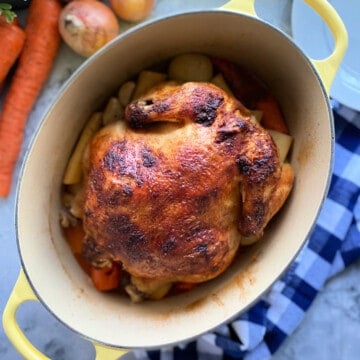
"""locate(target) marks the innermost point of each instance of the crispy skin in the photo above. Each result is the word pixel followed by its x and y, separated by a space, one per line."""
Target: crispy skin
pixel 170 191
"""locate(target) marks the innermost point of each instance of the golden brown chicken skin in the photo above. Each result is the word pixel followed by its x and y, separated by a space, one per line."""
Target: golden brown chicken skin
pixel 170 191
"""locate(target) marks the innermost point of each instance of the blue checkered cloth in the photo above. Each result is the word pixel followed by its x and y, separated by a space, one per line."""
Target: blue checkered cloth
pixel 333 245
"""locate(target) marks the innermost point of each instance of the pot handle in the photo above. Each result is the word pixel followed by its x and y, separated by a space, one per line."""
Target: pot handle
pixel 23 292
pixel 327 67
pixel 242 6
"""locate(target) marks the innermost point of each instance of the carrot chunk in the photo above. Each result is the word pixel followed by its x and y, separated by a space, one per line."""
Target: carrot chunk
pixel 183 287
pixel 272 117
pixel 244 85
pixel 106 278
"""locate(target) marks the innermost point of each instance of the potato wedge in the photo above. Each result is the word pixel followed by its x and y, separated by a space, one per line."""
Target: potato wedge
pixel 126 92
pixel 256 116
pixel 220 82
pixel 190 67
pixel 248 240
pixel 154 289
pixel 73 172
pixel 147 79
pixel 283 143
pixel 114 111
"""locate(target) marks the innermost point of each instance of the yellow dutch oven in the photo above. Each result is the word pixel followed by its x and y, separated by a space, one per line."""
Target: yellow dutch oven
pixel 50 272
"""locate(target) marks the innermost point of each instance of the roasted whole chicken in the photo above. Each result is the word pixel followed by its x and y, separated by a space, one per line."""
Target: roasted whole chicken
pixel 170 191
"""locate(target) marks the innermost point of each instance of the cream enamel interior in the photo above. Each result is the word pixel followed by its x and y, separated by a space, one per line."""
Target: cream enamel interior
pixel 55 276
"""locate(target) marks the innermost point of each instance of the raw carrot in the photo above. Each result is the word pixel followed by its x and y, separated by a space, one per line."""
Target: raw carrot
pixel 12 38
pixel 106 278
pixel 272 117
pixel 35 63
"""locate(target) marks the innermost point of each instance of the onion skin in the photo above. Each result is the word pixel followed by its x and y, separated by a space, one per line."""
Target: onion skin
pixel 132 10
pixel 87 25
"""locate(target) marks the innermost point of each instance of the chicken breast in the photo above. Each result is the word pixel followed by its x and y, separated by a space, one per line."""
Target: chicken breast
pixel 170 191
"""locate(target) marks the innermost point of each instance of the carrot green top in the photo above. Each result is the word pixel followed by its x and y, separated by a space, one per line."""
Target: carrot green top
pixel 7 13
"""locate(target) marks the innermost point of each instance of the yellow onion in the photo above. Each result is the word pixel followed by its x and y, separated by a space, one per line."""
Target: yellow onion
pixel 87 25
pixel 132 10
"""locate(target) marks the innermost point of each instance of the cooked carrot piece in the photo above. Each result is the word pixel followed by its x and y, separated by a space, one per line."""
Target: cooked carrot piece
pixel 106 278
pixel 244 85
pixel 184 286
pixel 75 237
pixel 272 117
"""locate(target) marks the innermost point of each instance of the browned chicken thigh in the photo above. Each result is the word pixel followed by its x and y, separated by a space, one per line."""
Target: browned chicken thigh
pixel 170 191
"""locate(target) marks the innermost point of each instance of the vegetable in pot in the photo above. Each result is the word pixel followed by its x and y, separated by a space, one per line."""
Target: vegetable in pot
pixel 106 278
